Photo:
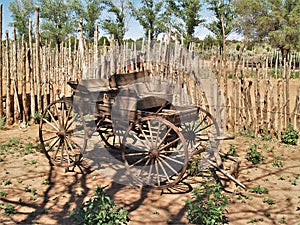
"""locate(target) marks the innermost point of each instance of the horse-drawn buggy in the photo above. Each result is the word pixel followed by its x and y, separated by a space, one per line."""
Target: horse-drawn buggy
pixel 135 114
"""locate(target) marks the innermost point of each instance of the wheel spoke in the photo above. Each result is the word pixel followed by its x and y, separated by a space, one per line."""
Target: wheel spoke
pixel 150 172
pixel 150 131
pixel 49 131
pixel 52 117
pixel 165 136
pixel 160 163
pixel 172 159
pixel 72 121
pixel 57 150
pixel 146 164
pixel 57 113
pixel 63 114
pixel 135 154
pixel 51 138
pixel 157 135
pixel 157 173
pixel 52 144
pixel 69 111
pixel 145 136
pixel 207 126
pixel 169 166
pixel 137 139
pixel 45 120
pixel 169 144
pixel 139 161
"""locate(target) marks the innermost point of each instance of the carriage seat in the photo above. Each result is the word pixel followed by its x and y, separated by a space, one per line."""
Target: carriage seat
pixel 91 85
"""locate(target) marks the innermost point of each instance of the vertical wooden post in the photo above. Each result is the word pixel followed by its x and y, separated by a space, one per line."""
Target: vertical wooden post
pixel 31 73
pixel 257 101
pixel 9 119
pixel 45 79
pixel 95 75
pixel 17 108
pixel 81 49
pixel 1 66
pixel 38 59
pixel 287 91
pixel 24 88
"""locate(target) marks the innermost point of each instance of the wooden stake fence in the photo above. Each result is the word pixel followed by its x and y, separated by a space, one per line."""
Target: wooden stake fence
pixel 254 94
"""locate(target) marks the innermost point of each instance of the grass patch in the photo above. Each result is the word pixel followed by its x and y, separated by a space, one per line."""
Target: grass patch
pixel 269 201
pixel 259 190
pixel 253 155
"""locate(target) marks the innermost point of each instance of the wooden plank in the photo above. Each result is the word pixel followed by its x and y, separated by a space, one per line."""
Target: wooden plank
pixel 119 80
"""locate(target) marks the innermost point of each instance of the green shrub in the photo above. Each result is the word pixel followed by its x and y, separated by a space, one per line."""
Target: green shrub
pixel 196 167
pixel 100 209
pixel 232 151
pixel 9 209
pixel 290 136
pixel 253 155
pixel 3 193
pixel 2 123
pixel 207 205
pixel 37 117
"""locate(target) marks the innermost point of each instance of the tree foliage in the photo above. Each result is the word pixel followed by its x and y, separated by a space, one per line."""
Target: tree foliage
pixel 275 21
pixel 223 24
pixel 90 12
pixel 57 20
pixel 116 23
pixel 22 11
pixel 152 16
pixel 188 12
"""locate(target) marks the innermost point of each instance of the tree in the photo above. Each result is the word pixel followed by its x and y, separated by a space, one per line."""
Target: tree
pixel 152 16
pixel 57 20
pixel 275 21
pixel 223 24
pixel 21 11
pixel 90 12
pixel 188 11
pixel 116 24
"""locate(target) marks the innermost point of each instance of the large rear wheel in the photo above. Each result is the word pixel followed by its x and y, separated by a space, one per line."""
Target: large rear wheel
pixel 155 152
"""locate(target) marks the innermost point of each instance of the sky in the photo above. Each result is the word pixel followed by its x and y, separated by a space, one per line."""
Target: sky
pixel 134 32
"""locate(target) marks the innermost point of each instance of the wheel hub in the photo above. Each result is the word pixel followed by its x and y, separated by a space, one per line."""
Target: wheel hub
pixel 61 133
pixel 154 153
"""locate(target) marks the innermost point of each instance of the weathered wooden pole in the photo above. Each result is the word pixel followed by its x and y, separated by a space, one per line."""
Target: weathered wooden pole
pixel 31 73
pixel 9 119
pixel 81 48
pixel 24 81
pixel 17 108
pixel 1 66
pixel 38 59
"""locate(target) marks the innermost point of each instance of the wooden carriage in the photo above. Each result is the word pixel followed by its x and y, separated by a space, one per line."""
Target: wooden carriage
pixel 155 138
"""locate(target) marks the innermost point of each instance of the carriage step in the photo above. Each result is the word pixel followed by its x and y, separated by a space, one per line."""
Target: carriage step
pixel 223 138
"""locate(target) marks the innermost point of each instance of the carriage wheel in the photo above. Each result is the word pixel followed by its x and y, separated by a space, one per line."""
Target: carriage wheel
pixel 155 152
pixel 201 135
pixel 111 137
pixel 62 133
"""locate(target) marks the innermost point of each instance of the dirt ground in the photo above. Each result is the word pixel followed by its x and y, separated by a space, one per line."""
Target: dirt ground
pixel 46 195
